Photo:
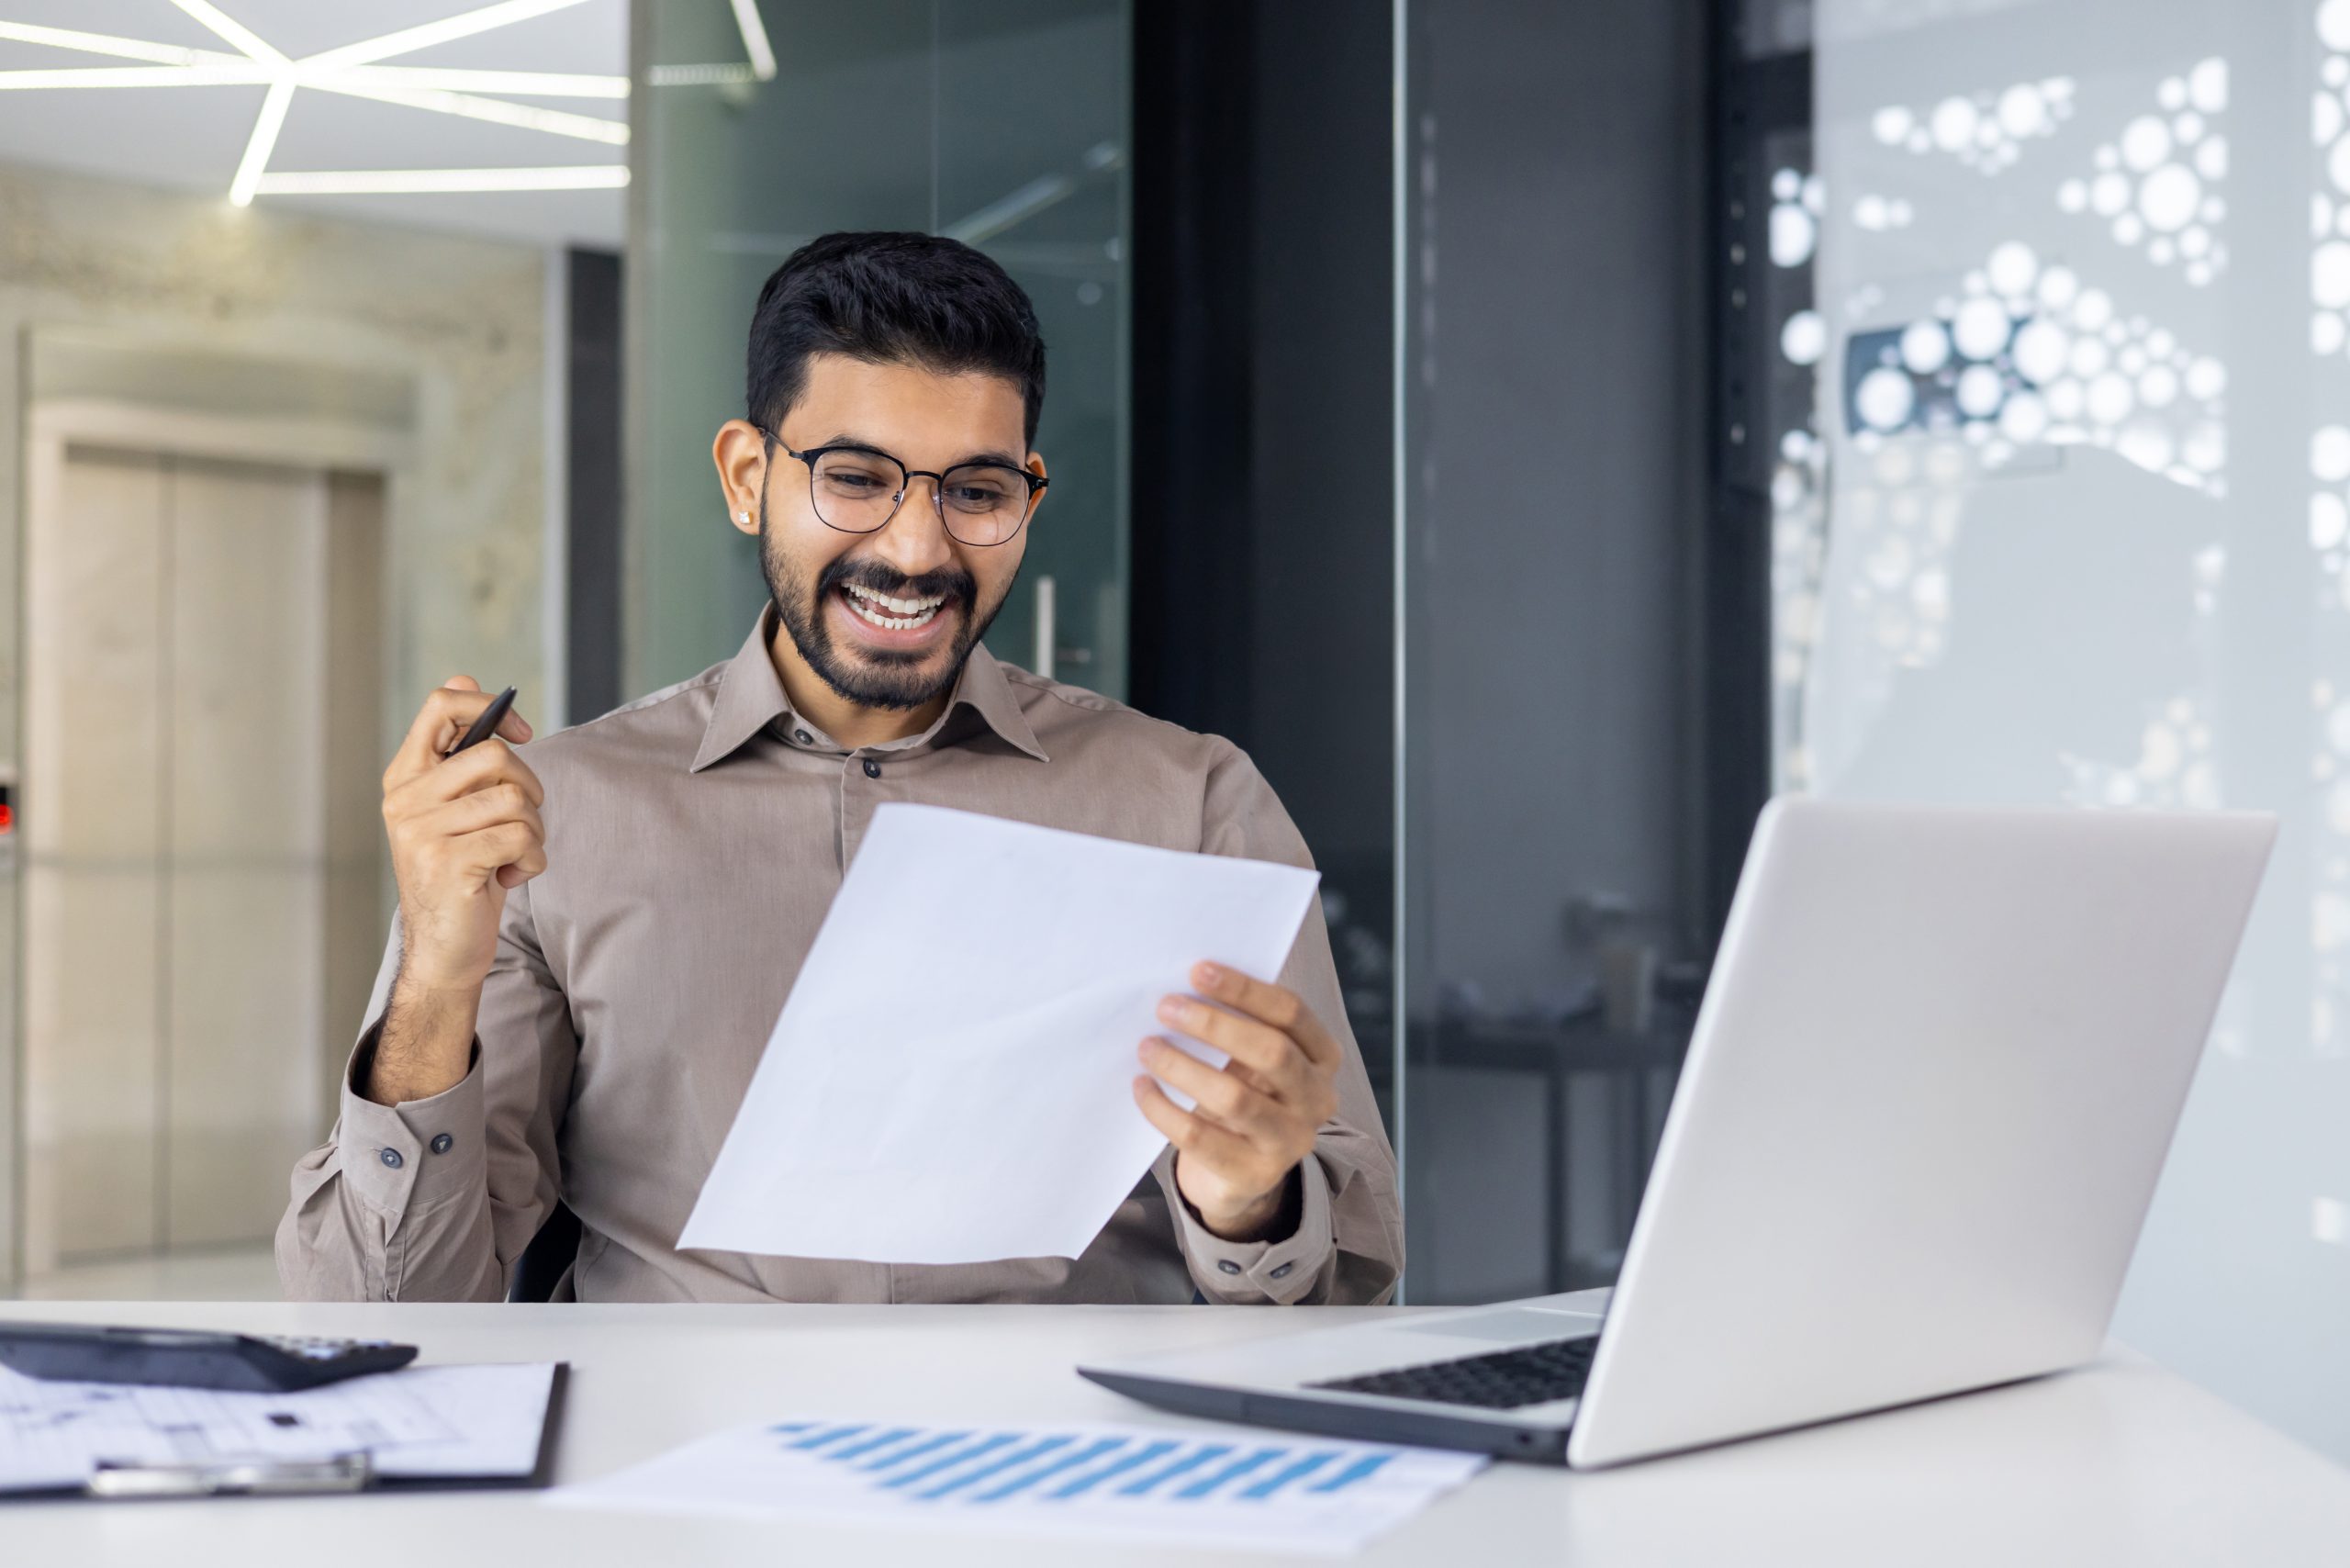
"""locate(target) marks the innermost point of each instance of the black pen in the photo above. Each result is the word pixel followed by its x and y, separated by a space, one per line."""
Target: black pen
pixel 490 718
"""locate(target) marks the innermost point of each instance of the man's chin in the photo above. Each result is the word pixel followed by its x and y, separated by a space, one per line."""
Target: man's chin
pixel 888 678
pixel 885 656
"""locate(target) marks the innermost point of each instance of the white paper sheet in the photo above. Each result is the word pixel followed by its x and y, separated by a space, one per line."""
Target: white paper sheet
pixel 1248 1490
pixel 949 1082
pixel 456 1420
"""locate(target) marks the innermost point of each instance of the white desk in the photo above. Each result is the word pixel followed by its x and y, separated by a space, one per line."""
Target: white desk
pixel 2120 1464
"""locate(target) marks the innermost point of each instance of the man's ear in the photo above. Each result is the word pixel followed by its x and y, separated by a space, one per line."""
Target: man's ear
pixel 741 453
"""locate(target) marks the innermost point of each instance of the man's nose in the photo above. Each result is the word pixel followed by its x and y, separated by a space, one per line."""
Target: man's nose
pixel 916 540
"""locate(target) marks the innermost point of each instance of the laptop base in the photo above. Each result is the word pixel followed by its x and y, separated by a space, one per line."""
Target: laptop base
pixel 1335 1419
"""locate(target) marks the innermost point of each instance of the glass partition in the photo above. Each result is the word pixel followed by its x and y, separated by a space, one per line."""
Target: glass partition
pixel 1000 122
pixel 1554 930
pixel 2061 515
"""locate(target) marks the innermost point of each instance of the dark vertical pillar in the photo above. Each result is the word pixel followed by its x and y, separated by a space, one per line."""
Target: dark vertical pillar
pixel 1752 97
pixel 1262 509
pixel 1192 349
pixel 592 566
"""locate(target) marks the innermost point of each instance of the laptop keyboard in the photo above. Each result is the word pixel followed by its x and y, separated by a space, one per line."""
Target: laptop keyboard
pixel 1504 1380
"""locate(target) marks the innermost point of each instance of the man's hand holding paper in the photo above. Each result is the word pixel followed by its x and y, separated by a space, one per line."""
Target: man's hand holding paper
pixel 1251 1121
pixel 972 1108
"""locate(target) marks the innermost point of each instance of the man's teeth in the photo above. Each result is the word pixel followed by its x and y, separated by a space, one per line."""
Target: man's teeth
pixel 899 606
pixel 910 613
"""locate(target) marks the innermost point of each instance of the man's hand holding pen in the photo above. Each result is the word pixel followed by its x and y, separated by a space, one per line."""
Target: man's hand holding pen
pixel 463 827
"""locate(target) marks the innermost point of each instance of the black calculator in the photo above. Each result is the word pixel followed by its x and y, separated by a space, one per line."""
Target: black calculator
pixel 183 1358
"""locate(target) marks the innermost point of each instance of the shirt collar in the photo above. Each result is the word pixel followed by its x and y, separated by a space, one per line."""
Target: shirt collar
pixel 751 697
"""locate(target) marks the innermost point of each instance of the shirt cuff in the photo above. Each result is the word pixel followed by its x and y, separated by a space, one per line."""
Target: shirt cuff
pixel 397 1158
pixel 1239 1272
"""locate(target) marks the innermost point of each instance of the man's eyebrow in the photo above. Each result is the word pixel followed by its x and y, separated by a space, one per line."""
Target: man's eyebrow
pixel 844 438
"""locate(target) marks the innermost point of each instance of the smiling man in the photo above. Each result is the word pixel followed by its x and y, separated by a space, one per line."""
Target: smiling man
pixel 593 943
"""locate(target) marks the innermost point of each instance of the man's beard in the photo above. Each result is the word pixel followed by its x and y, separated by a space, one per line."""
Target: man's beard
pixel 882 678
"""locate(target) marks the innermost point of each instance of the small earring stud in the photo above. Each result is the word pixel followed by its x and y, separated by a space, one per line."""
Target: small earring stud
pixel 742 516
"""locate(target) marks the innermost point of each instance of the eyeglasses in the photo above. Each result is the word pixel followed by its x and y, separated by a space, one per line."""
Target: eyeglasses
pixel 857 490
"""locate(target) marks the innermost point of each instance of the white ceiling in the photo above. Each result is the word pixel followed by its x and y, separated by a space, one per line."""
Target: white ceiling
pixel 193 137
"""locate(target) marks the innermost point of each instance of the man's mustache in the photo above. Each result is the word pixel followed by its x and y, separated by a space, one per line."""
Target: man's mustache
pixel 948 582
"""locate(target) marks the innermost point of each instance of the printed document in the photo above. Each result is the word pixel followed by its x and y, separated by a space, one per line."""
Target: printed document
pixel 1250 1490
pixel 949 1080
pixel 419 1421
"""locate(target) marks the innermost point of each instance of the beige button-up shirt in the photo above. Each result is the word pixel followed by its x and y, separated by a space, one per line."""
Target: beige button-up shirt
pixel 695 839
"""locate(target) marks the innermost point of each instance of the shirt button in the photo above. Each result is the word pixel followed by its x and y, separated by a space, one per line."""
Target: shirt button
pixel 391 1157
pixel 1280 1274
pixel 1226 1264
pixel 872 768
pixel 803 737
pixel 442 1142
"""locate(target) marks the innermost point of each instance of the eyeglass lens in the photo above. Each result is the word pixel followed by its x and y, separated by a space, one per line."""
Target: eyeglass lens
pixel 858 492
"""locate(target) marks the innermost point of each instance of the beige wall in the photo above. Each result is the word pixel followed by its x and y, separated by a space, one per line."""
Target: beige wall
pixel 436 340
pixel 458 318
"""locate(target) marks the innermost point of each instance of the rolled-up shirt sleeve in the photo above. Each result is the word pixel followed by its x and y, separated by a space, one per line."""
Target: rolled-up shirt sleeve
pixel 433 1199
pixel 1347 1245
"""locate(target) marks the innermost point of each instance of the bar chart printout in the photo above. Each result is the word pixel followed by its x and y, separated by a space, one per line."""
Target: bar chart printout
pixel 1237 1489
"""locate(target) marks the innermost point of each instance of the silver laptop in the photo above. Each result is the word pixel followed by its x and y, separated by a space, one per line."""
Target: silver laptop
pixel 1931 1084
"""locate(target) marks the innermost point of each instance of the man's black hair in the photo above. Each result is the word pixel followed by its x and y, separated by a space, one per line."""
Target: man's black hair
pixel 891 299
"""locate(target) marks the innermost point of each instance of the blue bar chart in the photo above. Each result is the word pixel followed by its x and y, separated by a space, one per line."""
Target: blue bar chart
pixel 1209 1487
pixel 980 1466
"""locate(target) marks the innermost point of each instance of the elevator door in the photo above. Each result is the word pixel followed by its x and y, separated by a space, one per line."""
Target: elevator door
pixel 180 878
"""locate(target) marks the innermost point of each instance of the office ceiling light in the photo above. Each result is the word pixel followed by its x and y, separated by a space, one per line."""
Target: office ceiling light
pixel 207 67
pixel 466 79
pixel 263 141
pixel 410 182
pixel 759 65
pixel 408 40
pixel 754 40
pixel 528 116
pixel 231 75
pixel 101 44
pixel 700 75
pixel 246 41
pixel 354 69
pixel 1010 211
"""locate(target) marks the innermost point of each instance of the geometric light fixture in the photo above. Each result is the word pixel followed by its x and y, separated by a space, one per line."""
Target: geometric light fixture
pixel 358 70
pixel 754 40
pixel 413 182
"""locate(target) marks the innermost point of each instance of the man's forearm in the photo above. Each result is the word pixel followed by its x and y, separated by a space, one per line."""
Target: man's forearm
pixel 426 1045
